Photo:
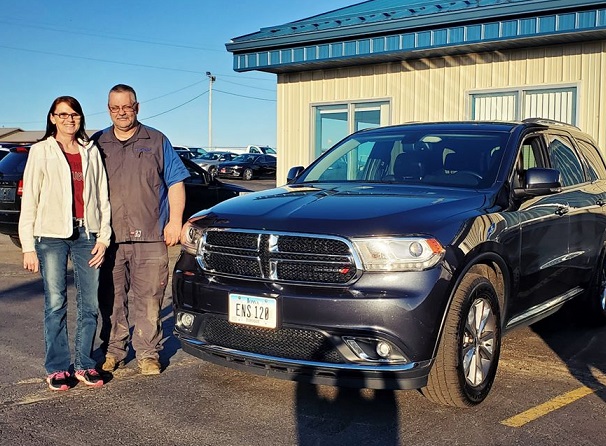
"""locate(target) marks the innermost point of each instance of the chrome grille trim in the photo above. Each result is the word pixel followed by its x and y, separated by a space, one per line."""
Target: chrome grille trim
pixel 301 258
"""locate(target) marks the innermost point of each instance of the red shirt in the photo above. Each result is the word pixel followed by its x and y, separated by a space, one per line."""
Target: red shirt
pixel 75 165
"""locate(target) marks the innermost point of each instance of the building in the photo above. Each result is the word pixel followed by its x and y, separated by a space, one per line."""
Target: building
pixel 382 62
pixel 11 136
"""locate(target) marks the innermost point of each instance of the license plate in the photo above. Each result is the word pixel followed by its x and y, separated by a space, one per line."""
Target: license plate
pixel 7 194
pixel 252 310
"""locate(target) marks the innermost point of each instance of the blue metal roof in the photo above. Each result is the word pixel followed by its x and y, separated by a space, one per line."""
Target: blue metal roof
pixel 384 30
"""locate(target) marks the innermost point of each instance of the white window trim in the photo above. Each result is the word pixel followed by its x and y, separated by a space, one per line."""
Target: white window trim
pixel 520 92
pixel 385 104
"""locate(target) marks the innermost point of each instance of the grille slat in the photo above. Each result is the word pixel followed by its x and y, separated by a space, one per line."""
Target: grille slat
pixel 290 343
pixel 278 256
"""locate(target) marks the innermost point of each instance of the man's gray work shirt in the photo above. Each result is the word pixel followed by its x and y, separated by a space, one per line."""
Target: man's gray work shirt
pixel 140 171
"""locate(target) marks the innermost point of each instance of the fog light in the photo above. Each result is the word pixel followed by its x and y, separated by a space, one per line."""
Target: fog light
pixel 186 320
pixel 383 349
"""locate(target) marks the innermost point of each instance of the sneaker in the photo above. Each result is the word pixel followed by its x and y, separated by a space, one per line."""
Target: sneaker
pixel 149 366
pixel 89 377
pixel 58 381
pixel 111 363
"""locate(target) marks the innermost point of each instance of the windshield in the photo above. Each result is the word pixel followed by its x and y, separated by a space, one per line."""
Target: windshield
pixel 458 158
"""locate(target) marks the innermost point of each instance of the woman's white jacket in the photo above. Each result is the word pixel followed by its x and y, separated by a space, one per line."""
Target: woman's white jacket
pixel 47 200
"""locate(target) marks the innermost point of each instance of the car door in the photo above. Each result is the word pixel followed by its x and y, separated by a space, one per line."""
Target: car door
pixel 544 233
pixel 584 195
pixel 267 165
pixel 199 192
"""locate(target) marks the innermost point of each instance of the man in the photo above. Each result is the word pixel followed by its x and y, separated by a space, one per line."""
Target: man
pixel 147 196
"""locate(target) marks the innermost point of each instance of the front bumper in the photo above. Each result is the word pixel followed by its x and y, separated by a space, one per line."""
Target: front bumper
pixel 315 325
pixel 405 376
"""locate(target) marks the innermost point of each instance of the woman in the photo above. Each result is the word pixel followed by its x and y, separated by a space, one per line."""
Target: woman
pixel 65 212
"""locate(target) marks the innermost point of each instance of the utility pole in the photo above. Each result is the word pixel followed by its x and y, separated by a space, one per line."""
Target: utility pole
pixel 211 79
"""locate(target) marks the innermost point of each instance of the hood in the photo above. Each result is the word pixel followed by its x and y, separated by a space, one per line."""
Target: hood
pixel 350 209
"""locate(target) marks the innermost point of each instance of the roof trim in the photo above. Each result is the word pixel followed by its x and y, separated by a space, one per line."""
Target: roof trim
pixel 415 41
pixel 263 40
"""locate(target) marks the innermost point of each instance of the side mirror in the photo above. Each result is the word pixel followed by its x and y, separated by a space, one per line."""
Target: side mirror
pixel 293 173
pixel 539 181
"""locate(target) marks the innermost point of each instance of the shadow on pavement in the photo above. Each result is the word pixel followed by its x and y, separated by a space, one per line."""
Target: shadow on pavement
pixel 580 346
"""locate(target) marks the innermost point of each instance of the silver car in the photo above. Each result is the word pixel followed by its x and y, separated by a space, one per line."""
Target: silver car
pixel 210 160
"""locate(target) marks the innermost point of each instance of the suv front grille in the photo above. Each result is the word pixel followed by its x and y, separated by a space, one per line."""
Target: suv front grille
pixel 274 256
pixel 291 343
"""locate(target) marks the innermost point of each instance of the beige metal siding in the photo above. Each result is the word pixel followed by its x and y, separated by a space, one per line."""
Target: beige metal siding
pixel 438 89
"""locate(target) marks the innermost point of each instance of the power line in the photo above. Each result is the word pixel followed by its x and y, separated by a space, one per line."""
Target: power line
pixel 248 86
pixel 22 24
pixel 100 60
pixel 178 106
pixel 244 96
pixel 49 53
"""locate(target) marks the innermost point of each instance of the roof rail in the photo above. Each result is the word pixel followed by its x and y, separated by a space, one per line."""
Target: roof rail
pixel 549 121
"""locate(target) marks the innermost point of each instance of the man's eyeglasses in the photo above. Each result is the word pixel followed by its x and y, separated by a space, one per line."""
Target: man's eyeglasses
pixel 124 108
pixel 64 116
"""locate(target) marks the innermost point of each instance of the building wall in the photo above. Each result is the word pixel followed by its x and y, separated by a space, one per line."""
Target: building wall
pixel 438 89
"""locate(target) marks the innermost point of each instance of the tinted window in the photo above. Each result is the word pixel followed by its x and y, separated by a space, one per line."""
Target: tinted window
pixel 595 163
pixel 564 158
pixel 13 163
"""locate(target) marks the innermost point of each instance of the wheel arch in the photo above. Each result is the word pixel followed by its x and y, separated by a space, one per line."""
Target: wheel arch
pixel 487 264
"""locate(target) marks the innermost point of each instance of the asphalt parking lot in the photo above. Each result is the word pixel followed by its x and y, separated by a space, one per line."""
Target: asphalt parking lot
pixel 550 390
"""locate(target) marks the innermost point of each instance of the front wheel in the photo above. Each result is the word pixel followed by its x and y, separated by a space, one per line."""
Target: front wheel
pixel 594 300
pixel 247 174
pixel 468 354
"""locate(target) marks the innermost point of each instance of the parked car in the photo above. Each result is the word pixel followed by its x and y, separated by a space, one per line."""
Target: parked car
pixel 201 190
pixel 261 149
pixel 189 152
pixel 210 160
pixel 248 166
pixel 399 258
pixel 11 188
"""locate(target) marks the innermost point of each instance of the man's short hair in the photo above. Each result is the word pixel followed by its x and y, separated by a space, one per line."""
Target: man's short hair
pixel 123 88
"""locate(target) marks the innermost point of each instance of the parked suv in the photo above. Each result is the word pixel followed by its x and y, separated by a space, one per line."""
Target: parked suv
pixel 399 258
pixel 11 188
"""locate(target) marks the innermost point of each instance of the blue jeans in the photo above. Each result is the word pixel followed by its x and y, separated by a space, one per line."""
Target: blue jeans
pixel 52 254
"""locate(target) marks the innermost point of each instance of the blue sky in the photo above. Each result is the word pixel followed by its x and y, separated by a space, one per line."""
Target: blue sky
pixel 161 48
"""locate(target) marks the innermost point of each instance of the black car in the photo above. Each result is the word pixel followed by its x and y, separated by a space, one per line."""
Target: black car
pixel 400 257
pixel 202 191
pixel 248 166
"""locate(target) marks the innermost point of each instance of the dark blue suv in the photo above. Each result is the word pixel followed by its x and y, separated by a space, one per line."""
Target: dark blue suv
pixel 400 257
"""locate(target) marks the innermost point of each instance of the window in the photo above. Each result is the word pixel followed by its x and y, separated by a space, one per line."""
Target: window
pixel 564 159
pixel 595 163
pixel 332 123
pixel 558 104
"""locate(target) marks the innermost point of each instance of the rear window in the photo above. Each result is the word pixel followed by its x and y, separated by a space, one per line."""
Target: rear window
pixel 14 162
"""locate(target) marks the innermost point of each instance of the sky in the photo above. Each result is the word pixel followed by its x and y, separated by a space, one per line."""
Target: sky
pixel 163 49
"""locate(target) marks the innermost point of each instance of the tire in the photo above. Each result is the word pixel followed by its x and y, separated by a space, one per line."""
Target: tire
pixel 468 355
pixel 593 307
pixel 247 174
pixel 16 241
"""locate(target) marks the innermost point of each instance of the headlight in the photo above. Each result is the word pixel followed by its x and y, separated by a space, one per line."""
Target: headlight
pixel 399 254
pixel 190 237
